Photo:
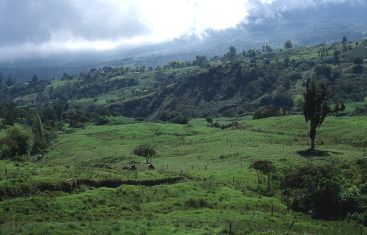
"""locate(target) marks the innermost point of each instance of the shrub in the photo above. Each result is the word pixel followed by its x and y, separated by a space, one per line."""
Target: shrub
pixel 18 141
pixel 146 151
pixel 269 112
pixel 173 118
pixel 288 44
pixel 197 203
pixel 210 121
pixel 322 190
pixel 101 121
pixel 298 102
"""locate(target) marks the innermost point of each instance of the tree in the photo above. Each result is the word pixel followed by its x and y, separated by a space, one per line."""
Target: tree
pixel 76 119
pixel 201 61
pixel 345 44
pixel 40 142
pixel 316 108
pixel 146 151
pixel 18 141
pixel 232 54
pixel 344 40
pixel 288 44
pixel 34 78
pixel 263 167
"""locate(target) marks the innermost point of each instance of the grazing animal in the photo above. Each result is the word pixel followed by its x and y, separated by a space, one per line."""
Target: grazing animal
pixel 150 166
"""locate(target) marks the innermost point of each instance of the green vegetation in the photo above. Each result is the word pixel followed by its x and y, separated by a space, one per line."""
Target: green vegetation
pixel 239 83
pixel 146 151
pixel 316 107
pixel 219 189
pixel 18 141
pixel 75 151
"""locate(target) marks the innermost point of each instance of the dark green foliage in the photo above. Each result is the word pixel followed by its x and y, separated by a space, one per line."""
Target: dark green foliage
pixel 101 121
pixel 146 151
pixel 230 80
pixel 76 119
pixel 282 101
pixel 263 167
pixel 316 107
pixel 197 203
pixel 18 141
pixel 175 117
pixel 40 138
pixel 288 44
pixel 345 44
pixel 232 54
pixel 210 121
pixel 322 191
pixel 323 71
pixel 201 61
pixel 270 111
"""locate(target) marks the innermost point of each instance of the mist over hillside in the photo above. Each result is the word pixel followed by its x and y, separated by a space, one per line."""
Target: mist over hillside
pixel 310 26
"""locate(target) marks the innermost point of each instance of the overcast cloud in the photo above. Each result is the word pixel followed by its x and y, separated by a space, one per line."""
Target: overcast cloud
pixel 41 27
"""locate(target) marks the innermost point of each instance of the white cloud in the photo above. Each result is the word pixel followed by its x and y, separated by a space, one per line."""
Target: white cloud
pixel 31 27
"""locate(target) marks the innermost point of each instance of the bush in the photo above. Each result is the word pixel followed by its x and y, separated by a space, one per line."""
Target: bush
pixel 298 102
pixel 18 141
pixel 322 190
pixel 101 121
pixel 174 118
pixel 269 112
pixel 197 203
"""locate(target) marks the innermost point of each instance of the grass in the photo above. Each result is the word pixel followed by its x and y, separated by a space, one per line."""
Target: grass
pixel 219 188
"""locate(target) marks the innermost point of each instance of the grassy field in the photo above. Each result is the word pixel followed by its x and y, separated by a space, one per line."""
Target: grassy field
pixel 218 191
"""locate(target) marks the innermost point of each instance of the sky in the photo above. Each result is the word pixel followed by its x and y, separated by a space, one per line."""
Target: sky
pixel 43 27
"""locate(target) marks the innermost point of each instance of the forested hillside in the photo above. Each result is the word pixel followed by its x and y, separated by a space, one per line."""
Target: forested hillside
pixel 239 83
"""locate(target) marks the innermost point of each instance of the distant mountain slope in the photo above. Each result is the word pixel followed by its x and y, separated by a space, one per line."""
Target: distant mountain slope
pixel 234 84
pixel 304 27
